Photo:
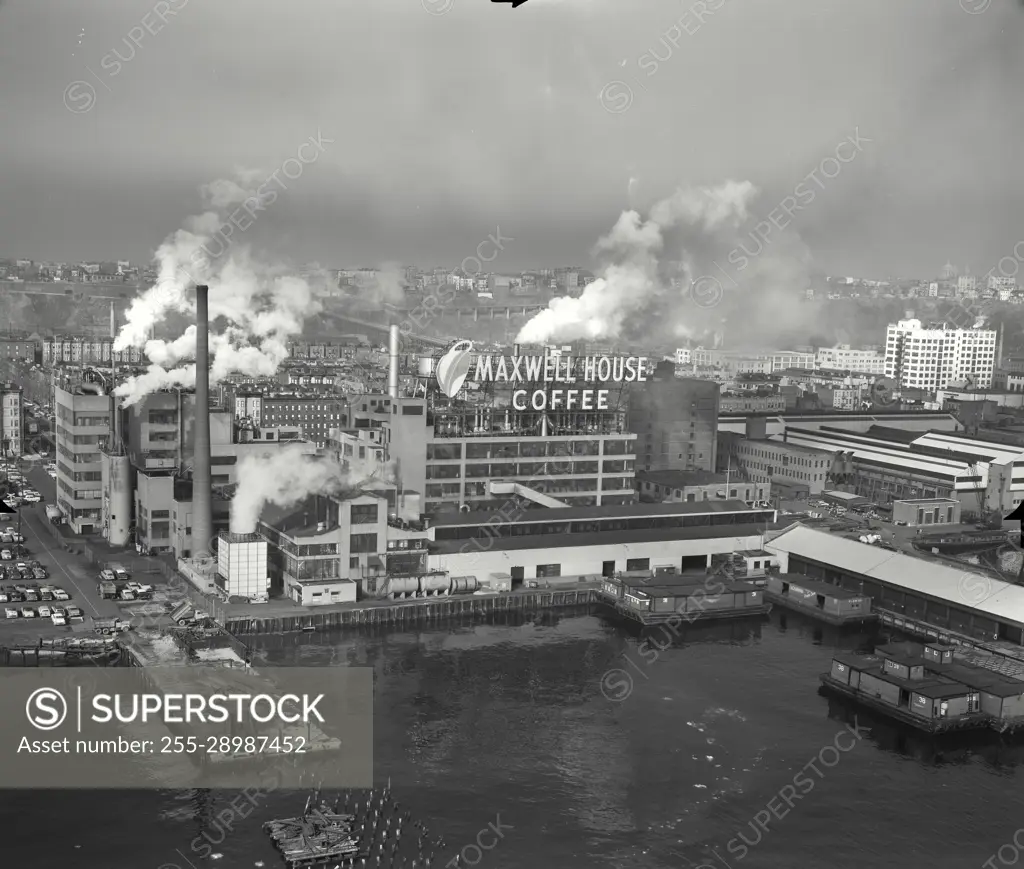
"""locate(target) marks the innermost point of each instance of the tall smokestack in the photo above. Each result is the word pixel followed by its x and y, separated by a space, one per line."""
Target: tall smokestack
pixel 393 362
pixel 202 507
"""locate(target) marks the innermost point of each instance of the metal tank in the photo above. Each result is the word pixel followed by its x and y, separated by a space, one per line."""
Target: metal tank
pixel 403 586
pixel 464 585
pixel 427 365
pixel 116 473
pixel 433 584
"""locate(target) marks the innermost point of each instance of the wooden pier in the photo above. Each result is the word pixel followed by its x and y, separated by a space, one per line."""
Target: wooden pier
pixel 358 826
pixel 411 612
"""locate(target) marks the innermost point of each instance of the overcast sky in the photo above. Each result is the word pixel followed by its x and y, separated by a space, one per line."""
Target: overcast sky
pixel 447 126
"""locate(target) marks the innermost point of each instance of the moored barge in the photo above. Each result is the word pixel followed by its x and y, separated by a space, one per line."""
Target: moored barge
pixel 674 598
pixel 821 601
pixel 923 686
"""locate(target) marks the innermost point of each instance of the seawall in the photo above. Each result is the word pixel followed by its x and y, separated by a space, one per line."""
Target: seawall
pixel 411 611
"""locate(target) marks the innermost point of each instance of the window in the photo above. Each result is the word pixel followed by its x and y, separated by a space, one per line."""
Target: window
pixel 412 410
pixel 364 514
pixel 363 543
pixel 546 570
pixel 353 562
pixel 161 514
pixel 638 564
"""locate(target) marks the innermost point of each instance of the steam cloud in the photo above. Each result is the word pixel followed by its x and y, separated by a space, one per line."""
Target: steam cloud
pixel 287 475
pixel 696 232
pixel 262 306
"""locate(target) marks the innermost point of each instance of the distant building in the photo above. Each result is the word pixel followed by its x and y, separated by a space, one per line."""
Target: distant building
pixel 844 358
pixel 790 467
pixel 19 348
pixel 932 357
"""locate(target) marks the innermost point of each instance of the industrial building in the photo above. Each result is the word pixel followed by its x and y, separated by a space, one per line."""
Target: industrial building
pixel 924 591
pixel 314 413
pixel 675 421
pixel 791 469
pixel 933 356
pixel 926 511
pixel 771 424
pixel 886 464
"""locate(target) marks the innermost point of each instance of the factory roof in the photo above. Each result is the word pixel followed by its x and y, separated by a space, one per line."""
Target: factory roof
pixel 611 511
pixel 999 600
pixel 597 538
pixel 680 479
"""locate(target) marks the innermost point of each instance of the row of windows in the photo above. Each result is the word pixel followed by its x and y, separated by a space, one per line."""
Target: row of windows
pixel 594 526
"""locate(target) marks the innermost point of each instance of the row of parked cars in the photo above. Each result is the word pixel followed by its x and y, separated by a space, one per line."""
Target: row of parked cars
pixel 32 593
pixel 59 615
pixel 23 570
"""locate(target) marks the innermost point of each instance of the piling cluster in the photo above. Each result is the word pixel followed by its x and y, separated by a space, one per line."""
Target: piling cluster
pixel 360 829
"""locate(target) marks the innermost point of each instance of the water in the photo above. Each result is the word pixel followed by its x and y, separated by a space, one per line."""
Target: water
pixel 476 721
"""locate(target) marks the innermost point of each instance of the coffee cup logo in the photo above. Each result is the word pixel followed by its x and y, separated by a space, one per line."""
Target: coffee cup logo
pixel 453 367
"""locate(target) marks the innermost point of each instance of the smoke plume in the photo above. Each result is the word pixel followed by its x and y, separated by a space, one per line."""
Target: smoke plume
pixel 680 273
pixel 259 307
pixel 287 475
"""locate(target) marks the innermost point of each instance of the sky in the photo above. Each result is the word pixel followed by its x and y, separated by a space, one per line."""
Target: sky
pixel 445 121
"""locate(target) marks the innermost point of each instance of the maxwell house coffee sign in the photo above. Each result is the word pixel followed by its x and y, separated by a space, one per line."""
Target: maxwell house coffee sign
pixel 458 362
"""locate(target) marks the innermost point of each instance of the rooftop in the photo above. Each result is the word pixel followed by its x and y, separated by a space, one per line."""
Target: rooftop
pixel 936 582
pixel 680 479
pixel 612 511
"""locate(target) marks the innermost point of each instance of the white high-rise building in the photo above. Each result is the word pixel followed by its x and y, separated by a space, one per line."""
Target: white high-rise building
pixel 933 357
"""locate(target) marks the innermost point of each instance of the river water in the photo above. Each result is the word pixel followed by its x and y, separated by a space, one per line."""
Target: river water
pixel 511 725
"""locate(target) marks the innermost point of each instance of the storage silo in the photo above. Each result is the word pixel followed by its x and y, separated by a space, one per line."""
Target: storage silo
pixel 242 564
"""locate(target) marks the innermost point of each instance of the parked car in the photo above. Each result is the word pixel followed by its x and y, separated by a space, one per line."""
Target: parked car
pixel 59 621
pixel 28 613
pixel 106 576
pixel 11 613
pixel 6 554
pixel 60 594
pixel 59 611
pixel 74 612
pixel 39 573
pixel 45 612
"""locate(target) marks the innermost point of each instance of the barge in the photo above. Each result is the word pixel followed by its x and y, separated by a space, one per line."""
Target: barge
pixel 956 543
pixel 671 598
pixel 924 687
pixel 820 601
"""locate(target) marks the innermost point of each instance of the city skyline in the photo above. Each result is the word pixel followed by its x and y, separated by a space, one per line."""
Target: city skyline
pixel 426 165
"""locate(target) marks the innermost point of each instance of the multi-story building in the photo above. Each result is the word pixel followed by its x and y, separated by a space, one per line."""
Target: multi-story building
pixel 787 467
pixel 1001 282
pixel 966 285
pixel 751 403
pixel 19 348
pixel 845 358
pixel 934 356
pixel 675 420
pixel 316 414
pixel 12 421
pixel 763 362
pixel 84 350
pixel 82 416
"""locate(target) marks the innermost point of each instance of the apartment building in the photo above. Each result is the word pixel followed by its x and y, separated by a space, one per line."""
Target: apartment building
pixel 933 356
pixel 12 421
pixel 83 421
pixel 314 413
pixel 85 350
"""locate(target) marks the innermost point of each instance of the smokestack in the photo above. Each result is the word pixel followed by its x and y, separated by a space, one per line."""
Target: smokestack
pixel 393 362
pixel 515 349
pixel 202 507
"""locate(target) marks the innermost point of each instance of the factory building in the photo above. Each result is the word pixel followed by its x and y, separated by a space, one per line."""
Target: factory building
pixel 82 414
pixel 789 469
pixel 12 419
pixel 675 420
pixel 573 543
pixel 885 464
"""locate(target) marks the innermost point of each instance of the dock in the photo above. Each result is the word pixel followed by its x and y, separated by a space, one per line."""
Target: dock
pixel 410 612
